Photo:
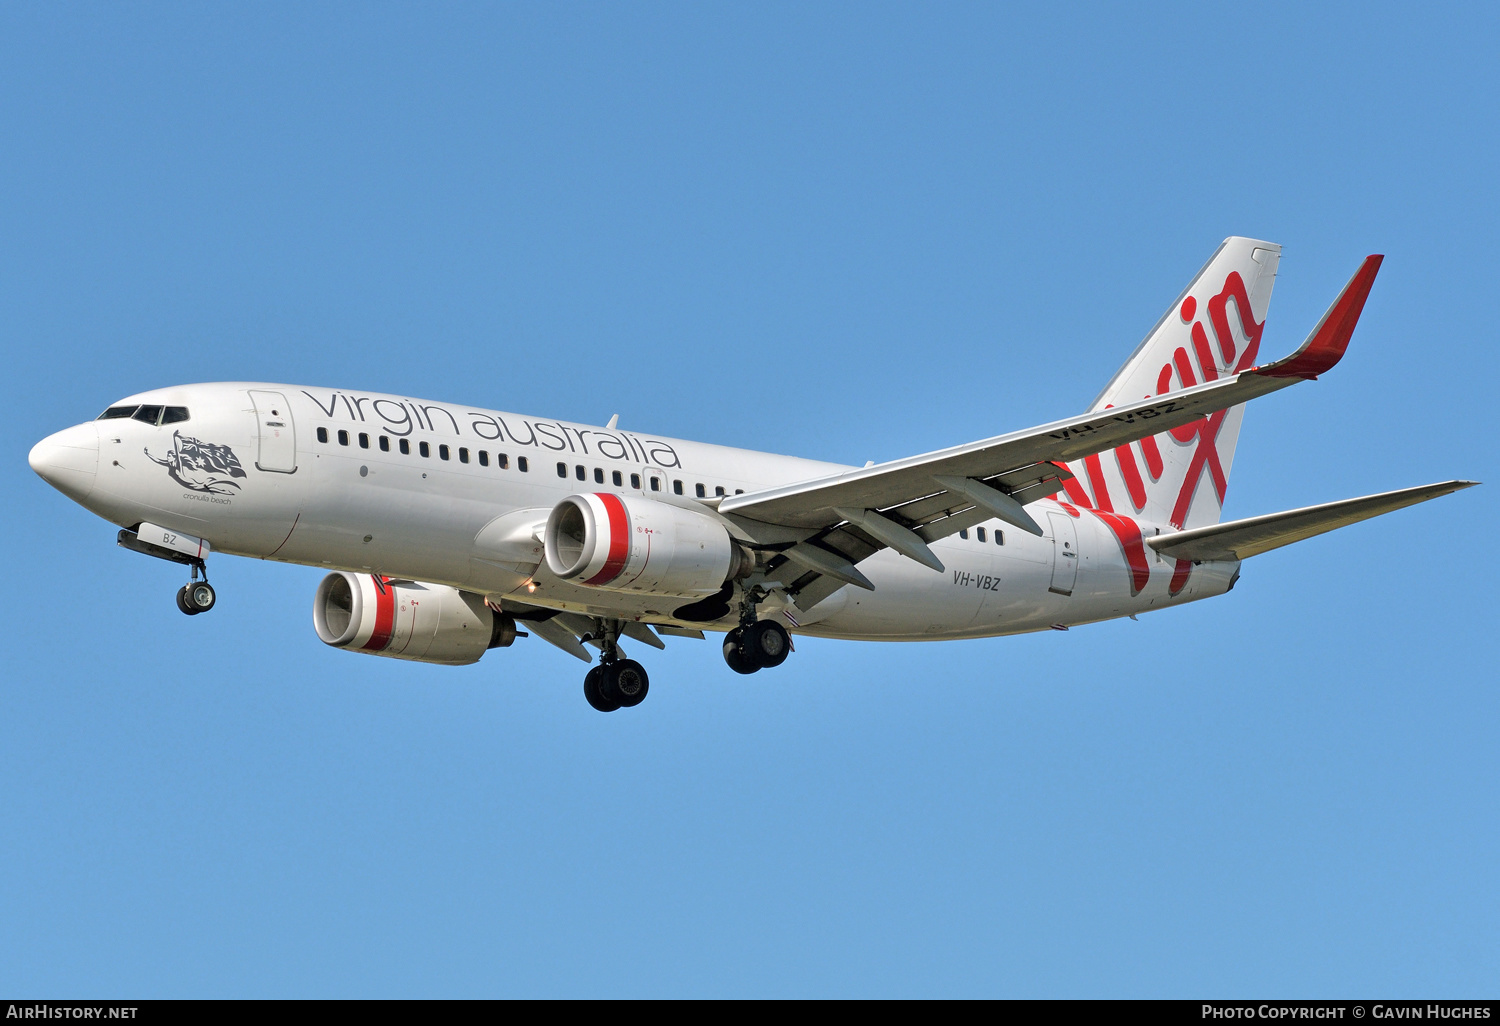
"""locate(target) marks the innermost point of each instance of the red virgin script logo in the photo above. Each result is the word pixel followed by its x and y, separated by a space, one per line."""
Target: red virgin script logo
pixel 1202 365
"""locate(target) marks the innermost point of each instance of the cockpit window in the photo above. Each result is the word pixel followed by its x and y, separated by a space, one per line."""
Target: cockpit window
pixel 147 414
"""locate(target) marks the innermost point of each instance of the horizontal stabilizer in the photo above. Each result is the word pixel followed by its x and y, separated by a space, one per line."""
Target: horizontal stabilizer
pixel 1241 539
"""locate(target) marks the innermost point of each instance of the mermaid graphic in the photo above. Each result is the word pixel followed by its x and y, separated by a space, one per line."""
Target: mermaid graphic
pixel 201 466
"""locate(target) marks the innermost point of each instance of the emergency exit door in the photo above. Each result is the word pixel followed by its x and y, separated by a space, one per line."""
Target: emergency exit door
pixel 1064 553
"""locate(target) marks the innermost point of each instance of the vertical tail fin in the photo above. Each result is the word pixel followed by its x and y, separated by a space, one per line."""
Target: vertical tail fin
pixel 1213 329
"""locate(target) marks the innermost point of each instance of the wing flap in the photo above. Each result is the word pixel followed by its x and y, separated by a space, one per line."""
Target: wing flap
pixel 562 637
pixel 1241 539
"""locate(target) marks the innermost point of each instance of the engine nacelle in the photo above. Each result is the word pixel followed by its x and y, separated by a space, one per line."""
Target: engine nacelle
pixel 635 544
pixel 430 623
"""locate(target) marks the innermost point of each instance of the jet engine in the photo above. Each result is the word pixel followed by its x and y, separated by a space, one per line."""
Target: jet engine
pixel 634 544
pixel 429 623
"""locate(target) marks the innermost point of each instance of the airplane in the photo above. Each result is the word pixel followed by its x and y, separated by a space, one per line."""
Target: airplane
pixel 447 528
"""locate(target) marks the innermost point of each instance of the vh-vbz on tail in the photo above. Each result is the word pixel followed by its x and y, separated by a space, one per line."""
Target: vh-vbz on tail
pixel 449 528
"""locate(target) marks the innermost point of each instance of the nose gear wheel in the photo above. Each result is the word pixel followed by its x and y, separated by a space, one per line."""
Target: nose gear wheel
pixel 196 596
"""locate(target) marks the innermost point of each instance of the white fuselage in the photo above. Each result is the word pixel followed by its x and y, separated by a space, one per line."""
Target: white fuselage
pixel 356 503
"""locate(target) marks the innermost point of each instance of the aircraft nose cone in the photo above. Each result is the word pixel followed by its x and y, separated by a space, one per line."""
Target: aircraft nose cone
pixel 68 460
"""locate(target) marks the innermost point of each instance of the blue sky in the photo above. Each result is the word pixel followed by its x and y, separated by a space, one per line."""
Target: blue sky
pixel 843 231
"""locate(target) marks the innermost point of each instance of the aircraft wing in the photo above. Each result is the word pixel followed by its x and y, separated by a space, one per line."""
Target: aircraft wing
pixel 1241 539
pixel 906 503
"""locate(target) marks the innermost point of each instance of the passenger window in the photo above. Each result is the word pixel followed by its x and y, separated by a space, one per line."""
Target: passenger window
pixel 562 470
pixel 484 458
pixel 463 455
pixel 635 480
pixel 618 479
pixel 322 434
pixel 656 484
pixel 405 447
pixel 739 491
pixel 599 475
pixel 117 413
pixel 580 473
pixel 442 452
pixel 699 490
pixel 424 449
pixel 718 489
pixel 964 534
pixel 343 438
pixel 385 443
pixel 503 461
pixel 522 465
pixel 364 440
pixel 148 414
pixel 979 533
pixel 677 487
pixel 174 415
pixel 999 536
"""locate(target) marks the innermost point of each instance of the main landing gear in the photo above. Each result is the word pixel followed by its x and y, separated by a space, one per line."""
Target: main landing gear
pixel 620 683
pixel 615 683
pixel 755 644
pixel 196 596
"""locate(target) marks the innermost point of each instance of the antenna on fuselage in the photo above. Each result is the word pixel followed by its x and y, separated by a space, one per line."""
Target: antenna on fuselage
pixel 613 420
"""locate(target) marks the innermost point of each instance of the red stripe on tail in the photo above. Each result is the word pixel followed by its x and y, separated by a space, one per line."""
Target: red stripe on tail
pixel 1128 532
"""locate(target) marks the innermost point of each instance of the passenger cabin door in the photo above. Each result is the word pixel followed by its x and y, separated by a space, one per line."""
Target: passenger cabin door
pixel 1064 553
pixel 278 439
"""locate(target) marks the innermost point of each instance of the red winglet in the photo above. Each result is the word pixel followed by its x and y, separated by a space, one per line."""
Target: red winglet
pixel 1325 346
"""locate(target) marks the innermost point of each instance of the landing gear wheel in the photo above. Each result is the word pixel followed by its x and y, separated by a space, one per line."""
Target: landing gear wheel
pixel 734 653
pixel 201 596
pixel 183 602
pixel 624 682
pixel 591 691
pixel 766 643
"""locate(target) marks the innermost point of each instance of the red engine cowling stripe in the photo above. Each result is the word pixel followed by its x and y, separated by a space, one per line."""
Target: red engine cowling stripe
pixel 385 616
pixel 619 539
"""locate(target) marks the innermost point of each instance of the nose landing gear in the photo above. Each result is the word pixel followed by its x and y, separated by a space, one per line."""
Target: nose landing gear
pixel 196 596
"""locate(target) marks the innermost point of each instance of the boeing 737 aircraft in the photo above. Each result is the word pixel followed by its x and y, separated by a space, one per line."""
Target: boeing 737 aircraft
pixel 447 529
